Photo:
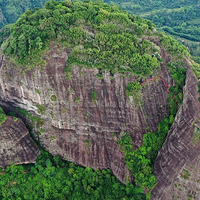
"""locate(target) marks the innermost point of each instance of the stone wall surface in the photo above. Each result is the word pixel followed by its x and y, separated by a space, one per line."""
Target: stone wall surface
pixel 85 130
pixel 176 166
pixel 16 145
pixel 77 127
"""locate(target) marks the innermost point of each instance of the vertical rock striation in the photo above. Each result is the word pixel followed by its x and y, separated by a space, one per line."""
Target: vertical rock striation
pixel 181 147
pixel 16 145
pixel 78 127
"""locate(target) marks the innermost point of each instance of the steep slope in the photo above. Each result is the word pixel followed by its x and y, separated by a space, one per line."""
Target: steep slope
pixel 16 145
pixel 90 75
pixel 180 150
pixel 83 110
pixel 73 118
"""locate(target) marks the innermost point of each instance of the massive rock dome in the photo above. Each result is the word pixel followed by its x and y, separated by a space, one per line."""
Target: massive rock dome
pixel 87 73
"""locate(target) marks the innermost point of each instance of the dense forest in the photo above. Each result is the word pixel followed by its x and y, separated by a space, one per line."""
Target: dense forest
pixel 114 45
pixel 98 36
pixel 10 10
pixel 178 18
pixel 52 178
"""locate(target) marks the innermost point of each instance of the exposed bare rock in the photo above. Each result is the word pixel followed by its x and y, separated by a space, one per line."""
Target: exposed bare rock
pixel 176 166
pixel 16 145
pixel 77 127
pixel 80 129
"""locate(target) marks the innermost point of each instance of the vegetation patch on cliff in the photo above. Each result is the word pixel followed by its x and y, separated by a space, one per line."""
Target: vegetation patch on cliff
pixel 41 109
pixel 54 98
pixel 141 161
pixel 94 96
pixel 35 121
pixel 2 116
pixel 133 90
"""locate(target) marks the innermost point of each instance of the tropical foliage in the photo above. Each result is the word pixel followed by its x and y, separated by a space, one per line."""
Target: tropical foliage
pixel 178 18
pixel 12 9
pixel 103 37
pixel 97 34
pixel 52 178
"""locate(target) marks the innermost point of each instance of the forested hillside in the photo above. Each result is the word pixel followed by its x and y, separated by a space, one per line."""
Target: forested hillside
pixel 100 88
pixel 52 178
pixel 10 10
pixel 178 18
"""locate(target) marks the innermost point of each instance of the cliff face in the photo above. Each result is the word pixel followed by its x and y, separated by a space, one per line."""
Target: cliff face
pixel 16 146
pixel 78 127
pixel 177 164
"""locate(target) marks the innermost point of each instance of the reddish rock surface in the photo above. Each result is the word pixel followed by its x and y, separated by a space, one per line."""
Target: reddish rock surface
pixel 81 130
pixel 180 149
pixel 76 127
pixel 16 146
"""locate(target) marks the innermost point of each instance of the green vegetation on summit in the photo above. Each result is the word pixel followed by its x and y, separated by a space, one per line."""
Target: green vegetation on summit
pixel 97 34
pixel 178 18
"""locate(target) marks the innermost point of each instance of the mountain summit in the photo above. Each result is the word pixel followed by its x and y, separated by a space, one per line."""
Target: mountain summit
pixel 103 88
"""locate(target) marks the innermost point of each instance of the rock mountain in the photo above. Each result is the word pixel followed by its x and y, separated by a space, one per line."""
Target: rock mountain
pixel 81 117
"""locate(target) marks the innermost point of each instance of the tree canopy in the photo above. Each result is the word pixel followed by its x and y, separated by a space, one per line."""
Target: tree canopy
pixel 97 34
pixel 178 18
pixel 12 9
pixel 52 178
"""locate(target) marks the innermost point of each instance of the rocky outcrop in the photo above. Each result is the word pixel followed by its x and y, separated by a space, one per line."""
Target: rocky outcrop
pixel 176 166
pixel 85 130
pixel 78 127
pixel 16 146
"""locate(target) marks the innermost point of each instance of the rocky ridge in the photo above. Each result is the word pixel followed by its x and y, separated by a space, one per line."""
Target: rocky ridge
pixel 80 129
pixel 176 166
pixel 16 146
pixel 83 115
